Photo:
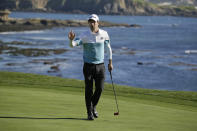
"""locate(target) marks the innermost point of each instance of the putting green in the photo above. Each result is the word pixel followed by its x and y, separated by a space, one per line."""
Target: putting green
pixel 31 102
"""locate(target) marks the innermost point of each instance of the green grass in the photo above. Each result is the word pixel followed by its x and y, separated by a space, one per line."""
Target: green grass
pixel 30 102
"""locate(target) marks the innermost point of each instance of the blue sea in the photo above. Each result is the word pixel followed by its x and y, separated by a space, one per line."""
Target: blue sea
pixel 152 56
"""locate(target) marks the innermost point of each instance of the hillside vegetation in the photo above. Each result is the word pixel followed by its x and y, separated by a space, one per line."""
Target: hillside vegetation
pixel 116 7
pixel 175 2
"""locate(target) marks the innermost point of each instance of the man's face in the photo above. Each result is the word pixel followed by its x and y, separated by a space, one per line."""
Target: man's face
pixel 93 24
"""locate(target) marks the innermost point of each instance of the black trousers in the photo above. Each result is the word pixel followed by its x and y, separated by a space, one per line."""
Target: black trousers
pixel 93 73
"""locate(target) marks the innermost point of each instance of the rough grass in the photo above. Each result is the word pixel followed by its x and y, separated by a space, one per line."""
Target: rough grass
pixel 30 102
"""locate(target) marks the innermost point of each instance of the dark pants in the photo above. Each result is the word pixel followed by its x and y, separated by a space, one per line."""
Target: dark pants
pixel 93 73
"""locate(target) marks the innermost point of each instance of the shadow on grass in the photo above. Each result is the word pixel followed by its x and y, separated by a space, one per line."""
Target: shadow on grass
pixel 8 117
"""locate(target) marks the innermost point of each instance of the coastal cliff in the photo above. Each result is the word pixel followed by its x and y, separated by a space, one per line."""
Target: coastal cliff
pixel 114 7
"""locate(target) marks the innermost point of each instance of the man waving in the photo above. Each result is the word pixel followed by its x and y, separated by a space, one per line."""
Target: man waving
pixel 94 41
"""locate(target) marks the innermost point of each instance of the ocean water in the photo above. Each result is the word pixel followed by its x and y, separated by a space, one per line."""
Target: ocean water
pixel 150 57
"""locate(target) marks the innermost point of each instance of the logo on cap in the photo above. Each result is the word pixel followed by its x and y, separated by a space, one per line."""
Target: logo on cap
pixel 93 17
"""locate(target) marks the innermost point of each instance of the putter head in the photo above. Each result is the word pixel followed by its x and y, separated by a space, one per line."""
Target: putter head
pixel 116 113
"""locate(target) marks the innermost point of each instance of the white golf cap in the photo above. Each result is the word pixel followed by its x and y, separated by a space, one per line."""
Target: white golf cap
pixel 93 17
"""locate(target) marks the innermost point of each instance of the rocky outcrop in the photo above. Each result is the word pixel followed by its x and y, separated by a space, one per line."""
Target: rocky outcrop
pixel 39 4
pixel 38 24
pixel 23 4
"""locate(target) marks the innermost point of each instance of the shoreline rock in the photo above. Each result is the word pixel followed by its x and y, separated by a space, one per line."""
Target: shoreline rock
pixel 29 52
pixel 39 24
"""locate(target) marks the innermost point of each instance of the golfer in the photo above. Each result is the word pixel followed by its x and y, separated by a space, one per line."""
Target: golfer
pixel 95 42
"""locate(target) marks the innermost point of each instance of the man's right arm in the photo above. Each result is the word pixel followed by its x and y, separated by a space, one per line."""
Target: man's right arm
pixel 75 42
pixel 70 44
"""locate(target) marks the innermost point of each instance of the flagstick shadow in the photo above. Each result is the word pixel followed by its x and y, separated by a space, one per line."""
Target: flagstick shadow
pixel 39 118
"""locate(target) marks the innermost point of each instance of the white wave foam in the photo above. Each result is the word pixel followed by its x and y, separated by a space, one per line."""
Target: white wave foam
pixel 190 51
pixel 34 32
pixel 22 32
pixel 47 38
pixel 165 3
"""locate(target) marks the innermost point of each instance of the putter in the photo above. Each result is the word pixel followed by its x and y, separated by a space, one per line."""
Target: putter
pixel 115 113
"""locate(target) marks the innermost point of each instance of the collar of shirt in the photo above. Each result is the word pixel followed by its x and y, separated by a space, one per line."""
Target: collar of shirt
pixel 97 33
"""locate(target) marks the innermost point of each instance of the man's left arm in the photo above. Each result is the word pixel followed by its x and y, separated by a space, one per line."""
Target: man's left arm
pixel 109 54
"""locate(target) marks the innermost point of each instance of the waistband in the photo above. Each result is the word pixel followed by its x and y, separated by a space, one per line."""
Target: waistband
pixel 93 64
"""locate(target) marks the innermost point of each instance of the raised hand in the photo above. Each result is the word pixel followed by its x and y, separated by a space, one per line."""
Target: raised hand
pixel 71 35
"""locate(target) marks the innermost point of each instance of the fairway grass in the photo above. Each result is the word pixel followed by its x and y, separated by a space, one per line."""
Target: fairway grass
pixel 30 102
